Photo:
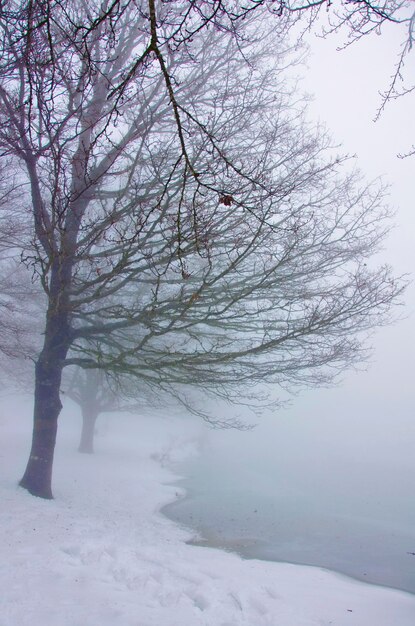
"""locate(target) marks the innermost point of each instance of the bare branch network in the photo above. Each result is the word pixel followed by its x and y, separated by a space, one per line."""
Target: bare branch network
pixel 189 227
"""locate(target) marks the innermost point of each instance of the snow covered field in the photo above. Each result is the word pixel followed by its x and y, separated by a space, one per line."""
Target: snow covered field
pixel 101 554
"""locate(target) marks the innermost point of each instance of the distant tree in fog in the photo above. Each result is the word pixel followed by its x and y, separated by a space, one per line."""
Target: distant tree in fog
pixel 89 389
pixel 189 227
pixel 95 394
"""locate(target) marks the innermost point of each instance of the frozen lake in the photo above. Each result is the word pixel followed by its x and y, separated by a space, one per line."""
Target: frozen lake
pixel 333 490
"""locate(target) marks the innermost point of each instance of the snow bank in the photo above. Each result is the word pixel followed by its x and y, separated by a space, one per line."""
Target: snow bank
pixel 101 554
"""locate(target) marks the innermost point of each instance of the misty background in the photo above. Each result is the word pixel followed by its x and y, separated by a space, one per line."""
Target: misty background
pixel 329 479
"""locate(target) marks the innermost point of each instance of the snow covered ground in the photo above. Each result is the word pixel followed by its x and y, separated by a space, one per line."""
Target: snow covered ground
pixel 101 554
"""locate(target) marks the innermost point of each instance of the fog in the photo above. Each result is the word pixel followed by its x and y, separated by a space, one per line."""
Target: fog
pixel 329 479
pixel 326 480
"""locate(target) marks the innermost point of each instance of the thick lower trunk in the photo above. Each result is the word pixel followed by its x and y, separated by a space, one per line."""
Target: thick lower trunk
pixel 37 478
pixel 57 243
pixel 86 444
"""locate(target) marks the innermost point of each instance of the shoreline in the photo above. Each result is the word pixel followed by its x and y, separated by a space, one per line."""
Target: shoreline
pixel 103 552
pixel 252 548
pixel 211 543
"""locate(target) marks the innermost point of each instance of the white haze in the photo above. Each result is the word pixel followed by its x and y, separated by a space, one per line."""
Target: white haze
pixel 102 554
pixel 370 413
pixel 346 451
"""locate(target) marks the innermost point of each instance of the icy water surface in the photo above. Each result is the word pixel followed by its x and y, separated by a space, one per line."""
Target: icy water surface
pixel 309 495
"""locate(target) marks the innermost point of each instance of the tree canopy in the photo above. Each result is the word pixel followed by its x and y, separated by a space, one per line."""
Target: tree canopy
pixel 189 226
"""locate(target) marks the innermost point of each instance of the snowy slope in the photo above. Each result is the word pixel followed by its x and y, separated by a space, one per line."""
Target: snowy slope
pixel 101 554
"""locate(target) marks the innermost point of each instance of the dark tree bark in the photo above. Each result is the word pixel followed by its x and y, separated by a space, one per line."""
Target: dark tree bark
pixel 37 478
pixel 38 475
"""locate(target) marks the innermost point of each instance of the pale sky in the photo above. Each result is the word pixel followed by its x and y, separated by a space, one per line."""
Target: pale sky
pixel 346 87
pixel 354 442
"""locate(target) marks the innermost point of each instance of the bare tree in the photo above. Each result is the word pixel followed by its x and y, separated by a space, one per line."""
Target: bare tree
pixel 88 389
pixel 96 393
pixel 189 227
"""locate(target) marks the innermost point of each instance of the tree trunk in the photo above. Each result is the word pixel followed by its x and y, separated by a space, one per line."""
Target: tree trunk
pixel 37 478
pixel 89 418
